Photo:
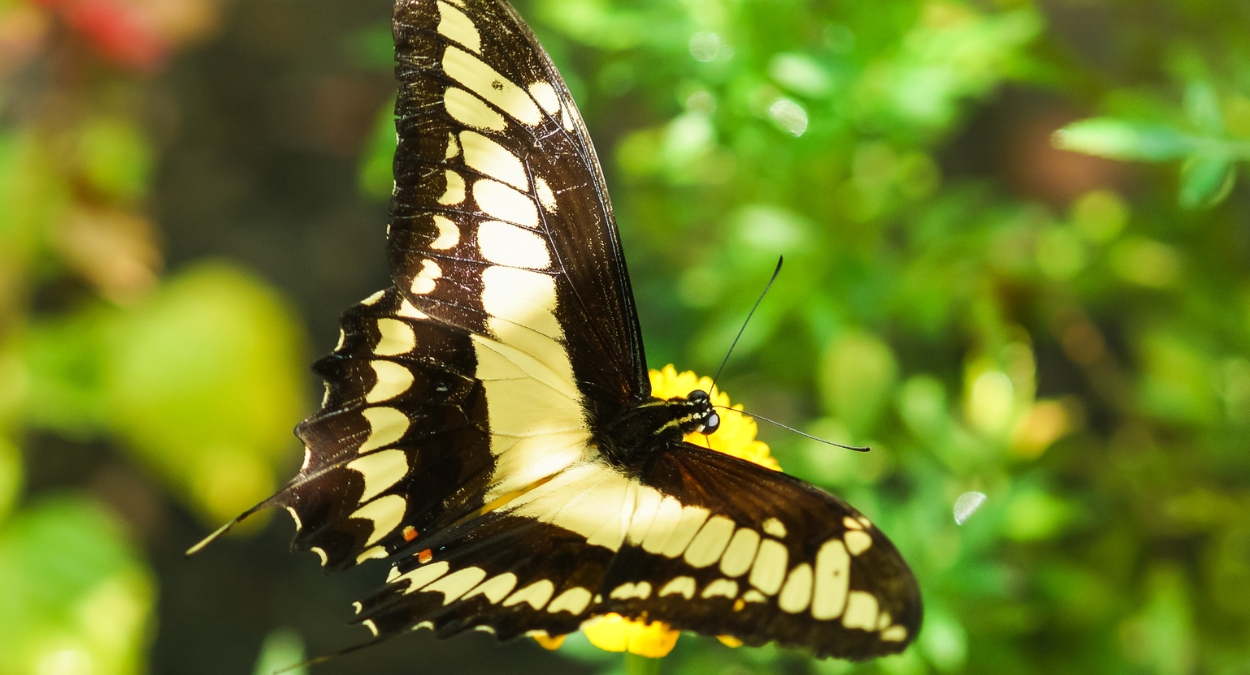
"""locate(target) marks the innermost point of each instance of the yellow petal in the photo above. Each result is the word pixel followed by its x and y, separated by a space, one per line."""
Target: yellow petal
pixel 549 642
pixel 615 633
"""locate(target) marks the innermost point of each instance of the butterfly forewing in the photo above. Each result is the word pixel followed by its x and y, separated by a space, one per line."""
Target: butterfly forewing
pixel 723 547
pixel 500 220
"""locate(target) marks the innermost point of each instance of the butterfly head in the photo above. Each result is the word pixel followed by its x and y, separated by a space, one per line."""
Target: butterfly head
pixel 703 418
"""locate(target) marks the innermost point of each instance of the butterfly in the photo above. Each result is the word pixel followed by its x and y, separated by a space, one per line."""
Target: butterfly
pixel 488 426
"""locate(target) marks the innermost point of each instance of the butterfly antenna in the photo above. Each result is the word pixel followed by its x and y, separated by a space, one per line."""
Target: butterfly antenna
pixel 780 259
pixel 856 448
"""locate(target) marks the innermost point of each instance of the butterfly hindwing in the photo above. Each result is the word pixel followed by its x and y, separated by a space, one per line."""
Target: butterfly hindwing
pixel 401 445
pixel 502 574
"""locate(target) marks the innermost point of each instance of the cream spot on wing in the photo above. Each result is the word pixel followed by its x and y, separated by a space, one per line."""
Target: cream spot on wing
pixel 883 620
pixel 587 498
pixel 496 588
pixel 640 590
pixel 769 569
pixel 710 543
pixel 373 628
pixel 484 629
pixel 448 234
pixel 381 470
pixel 662 526
pixel 894 634
pixel 390 380
pixel 423 283
pixel 496 89
pixel 422 576
pixel 453 23
pixel 513 246
pixel 386 425
pixel 545 196
pixel 471 111
pixel 454 192
pixel 385 513
pixel 866 523
pixel 295 516
pixel 857 541
pixel 833 576
pixel 723 587
pixel 741 552
pixel 357 606
pixel 861 611
pixel 456 584
pixel 320 554
pixel 373 299
pixel 536 594
pixel 692 518
pixel 396 337
pixel 524 298
pixel 342 340
pixel 377 552
pixel 424 625
pixel 453 147
pixel 774 527
pixel 683 586
pixel 494 160
pixel 851 524
pixel 754 596
pixel 646 505
pixel 797 592
pixel 546 96
pixel 502 202
pixel 567 117
pixel 406 309
pixel 574 601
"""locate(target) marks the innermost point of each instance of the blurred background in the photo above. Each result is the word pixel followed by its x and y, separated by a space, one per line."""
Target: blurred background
pixel 1018 267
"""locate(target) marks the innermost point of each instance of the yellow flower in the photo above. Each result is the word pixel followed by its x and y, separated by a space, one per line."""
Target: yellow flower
pixel 735 436
pixel 615 633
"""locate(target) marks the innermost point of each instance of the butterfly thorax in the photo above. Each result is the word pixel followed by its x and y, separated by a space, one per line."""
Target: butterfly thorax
pixel 654 425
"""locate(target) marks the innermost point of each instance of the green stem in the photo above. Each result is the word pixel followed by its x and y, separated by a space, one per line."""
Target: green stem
pixel 641 665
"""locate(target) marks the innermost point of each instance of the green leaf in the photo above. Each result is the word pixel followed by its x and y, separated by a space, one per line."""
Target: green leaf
pixel 376 177
pixel 76 596
pixel 1202 108
pixel 116 158
pixel 1124 140
pixel 856 378
pixel 282 649
pixel 204 383
pixel 1206 180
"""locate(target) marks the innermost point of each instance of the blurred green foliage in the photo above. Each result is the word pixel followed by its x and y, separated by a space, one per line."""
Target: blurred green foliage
pixel 967 290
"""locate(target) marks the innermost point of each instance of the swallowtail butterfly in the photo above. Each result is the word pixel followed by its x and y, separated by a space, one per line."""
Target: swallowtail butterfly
pixel 488 426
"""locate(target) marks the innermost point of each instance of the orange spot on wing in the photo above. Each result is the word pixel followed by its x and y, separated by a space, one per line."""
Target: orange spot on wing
pixel 425 556
pixel 410 533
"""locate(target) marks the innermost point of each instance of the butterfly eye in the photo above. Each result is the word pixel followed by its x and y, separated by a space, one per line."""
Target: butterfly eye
pixel 697 396
pixel 710 424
